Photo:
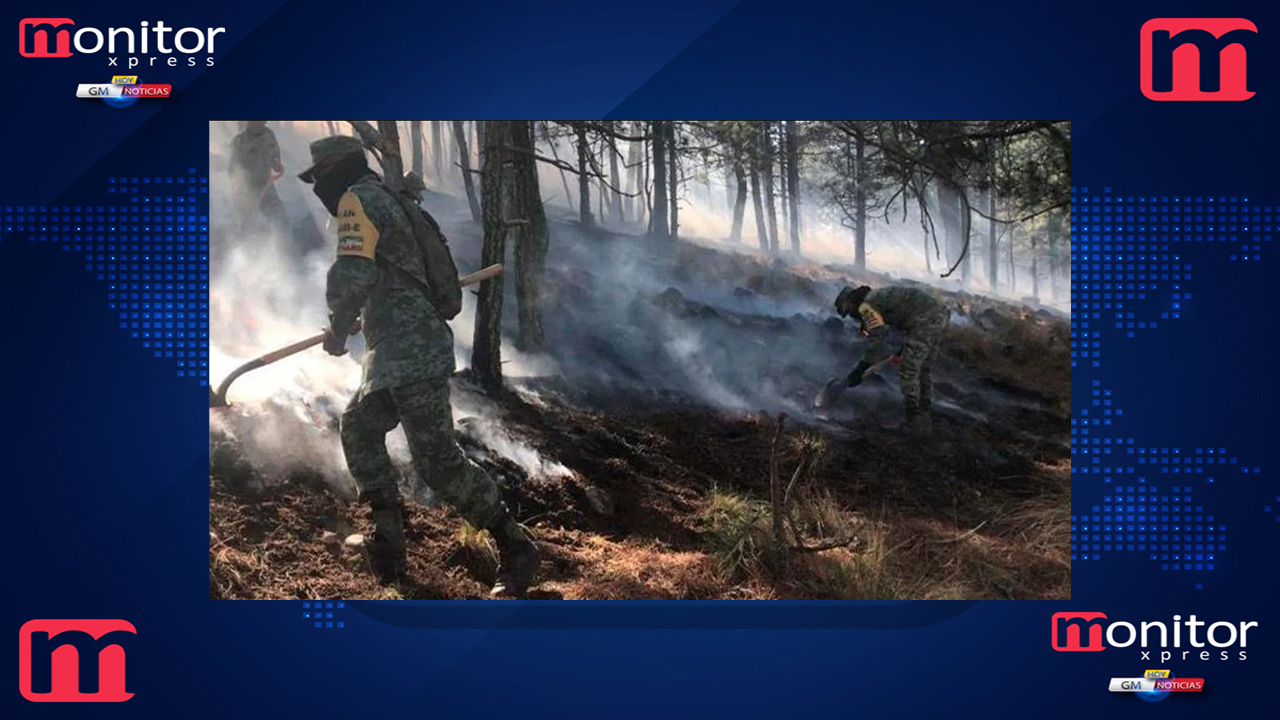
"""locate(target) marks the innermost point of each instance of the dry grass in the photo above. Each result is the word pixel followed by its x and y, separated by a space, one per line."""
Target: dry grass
pixel 1019 354
pixel 737 532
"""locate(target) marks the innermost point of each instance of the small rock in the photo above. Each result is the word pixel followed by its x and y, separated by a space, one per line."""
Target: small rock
pixel 354 541
pixel 329 538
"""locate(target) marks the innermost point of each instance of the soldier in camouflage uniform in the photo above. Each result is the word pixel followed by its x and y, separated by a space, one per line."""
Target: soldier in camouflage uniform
pixel 380 275
pixel 255 166
pixel 921 319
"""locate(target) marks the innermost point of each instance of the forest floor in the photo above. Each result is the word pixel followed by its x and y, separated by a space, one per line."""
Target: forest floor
pixel 666 490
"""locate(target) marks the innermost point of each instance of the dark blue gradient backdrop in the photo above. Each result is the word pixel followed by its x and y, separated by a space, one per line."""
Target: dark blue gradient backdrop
pixel 105 449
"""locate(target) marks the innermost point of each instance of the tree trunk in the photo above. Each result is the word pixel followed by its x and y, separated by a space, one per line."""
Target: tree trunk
pixel 860 205
pixel 634 163
pixel 584 180
pixel 739 200
pixel 464 159
pixel 1035 269
pixel 611 147
pixel 674 186
pixel 486 352
pixel 389 149
pixel 761 230
pixel 966 263
pixel 766 150
pixel 1055 234
pixel 532 238
pixel 793 184
pixel 659 226
pixel 783 189
pixel 647 198
pixel 1013 269
pixel 415 144
pixel 437 150
pixel 928 236
pixel 993 264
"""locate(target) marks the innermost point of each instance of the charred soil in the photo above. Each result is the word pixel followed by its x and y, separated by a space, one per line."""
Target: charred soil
pixel 667 494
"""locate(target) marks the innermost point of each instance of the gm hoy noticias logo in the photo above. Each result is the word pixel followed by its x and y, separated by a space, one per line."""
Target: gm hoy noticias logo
pixel 123 91
pixel 1197 59
pixel 74 660
pixel 1085 632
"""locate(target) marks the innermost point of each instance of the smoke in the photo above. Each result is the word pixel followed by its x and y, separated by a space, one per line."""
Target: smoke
pixel 896 243
pixel 630 323
pixel 267 291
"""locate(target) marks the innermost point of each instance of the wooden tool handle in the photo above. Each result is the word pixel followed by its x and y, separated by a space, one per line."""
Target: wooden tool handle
pixel 288 350
pixel 481 275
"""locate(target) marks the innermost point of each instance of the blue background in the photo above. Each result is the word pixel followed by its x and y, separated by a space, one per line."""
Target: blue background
pixel 105 446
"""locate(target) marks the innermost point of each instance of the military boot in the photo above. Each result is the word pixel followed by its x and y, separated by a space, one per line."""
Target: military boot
pixel 384 548
pixel 518 559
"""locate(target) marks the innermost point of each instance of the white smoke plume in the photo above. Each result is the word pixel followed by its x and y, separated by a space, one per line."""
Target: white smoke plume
pixel 266 291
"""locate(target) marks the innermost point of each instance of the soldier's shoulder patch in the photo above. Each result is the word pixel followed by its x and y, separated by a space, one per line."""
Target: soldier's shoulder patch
pixel 871 318
pixel 357 235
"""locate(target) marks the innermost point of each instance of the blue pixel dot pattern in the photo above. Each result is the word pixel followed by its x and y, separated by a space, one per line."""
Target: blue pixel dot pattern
pixel 324 614
pixel 1129 279
pixel 147 239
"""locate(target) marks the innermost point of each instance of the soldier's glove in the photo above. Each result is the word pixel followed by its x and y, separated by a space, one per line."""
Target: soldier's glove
pixel 855 377
pixel 334 344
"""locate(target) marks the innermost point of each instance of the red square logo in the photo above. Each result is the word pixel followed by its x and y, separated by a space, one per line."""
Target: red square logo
pixel 44 37
pixel 1077 632
pixel 74 660
pixel 1196 58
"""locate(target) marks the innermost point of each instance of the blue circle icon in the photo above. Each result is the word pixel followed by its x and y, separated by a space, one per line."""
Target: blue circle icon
pixel 120 102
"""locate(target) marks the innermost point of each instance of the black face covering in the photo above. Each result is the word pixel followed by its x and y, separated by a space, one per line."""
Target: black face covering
pixel 334 180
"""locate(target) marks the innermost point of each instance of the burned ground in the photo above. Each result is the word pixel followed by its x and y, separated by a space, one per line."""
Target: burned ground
pixel 662 411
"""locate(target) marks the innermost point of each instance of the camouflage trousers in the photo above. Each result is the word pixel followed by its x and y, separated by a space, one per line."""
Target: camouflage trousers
pixel 423 408
pixel 920 349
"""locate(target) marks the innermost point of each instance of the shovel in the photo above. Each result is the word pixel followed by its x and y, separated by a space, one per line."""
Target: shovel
pixel 836 386
pixel 219 398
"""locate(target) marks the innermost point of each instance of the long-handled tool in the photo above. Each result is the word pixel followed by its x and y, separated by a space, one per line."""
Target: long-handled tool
pixel 836 386
pixel 219 398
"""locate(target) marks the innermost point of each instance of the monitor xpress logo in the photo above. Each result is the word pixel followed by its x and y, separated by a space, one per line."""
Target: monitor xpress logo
pixel 1084 632
pixel 1196 59
pixel 74 660
pixel 126 47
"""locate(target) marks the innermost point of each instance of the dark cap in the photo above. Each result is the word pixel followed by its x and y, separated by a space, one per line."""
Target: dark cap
pixel 327 150
pixel 849 299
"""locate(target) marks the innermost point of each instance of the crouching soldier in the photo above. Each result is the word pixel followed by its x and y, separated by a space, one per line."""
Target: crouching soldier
pixel 920 319
pixel 381 275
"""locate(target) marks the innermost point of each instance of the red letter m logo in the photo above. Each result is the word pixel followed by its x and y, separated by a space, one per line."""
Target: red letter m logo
pixel 74 660
pixel 1076 632
pixel 40 37
pixel 1196 58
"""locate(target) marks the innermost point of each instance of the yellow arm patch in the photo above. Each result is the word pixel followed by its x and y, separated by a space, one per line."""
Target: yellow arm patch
pixel 356 232
pixel 871 318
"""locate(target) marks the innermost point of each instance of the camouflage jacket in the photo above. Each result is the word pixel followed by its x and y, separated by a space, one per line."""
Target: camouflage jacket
pixel 903 309
pixel 380 274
